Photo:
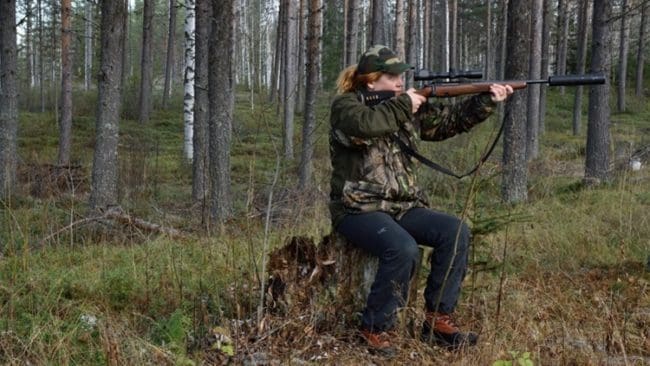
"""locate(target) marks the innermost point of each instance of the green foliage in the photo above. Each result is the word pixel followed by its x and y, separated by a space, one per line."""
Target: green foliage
pixel 518 359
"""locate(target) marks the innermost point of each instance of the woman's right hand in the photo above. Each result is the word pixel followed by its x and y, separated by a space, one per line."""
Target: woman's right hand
pixel 416 100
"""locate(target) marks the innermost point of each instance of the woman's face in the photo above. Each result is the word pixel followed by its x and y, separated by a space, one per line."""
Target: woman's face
pixel 387 82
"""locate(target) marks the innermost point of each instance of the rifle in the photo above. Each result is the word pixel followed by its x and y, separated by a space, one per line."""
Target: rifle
pixel 454 84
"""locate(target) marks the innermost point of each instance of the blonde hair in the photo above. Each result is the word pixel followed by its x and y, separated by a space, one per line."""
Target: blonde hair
pixel 349 80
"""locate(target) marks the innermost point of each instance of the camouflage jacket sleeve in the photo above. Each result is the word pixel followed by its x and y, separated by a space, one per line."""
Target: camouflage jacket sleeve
pixel 355 119
pixel 441 121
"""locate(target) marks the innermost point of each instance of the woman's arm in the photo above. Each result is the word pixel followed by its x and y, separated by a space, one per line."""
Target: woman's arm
pixel 441 121
pixel 355 119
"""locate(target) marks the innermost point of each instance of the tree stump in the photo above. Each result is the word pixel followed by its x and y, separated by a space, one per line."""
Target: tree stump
pixel 332 280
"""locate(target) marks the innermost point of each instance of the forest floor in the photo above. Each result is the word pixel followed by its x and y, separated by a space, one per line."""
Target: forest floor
pixel 561 279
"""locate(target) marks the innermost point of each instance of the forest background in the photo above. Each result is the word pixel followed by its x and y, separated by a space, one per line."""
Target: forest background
pixel 154 153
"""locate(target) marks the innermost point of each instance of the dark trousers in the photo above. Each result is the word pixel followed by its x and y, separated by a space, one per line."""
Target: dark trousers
pixel 395 243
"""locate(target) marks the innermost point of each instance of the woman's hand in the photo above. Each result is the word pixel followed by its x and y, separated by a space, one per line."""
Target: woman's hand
pixel 499 92
pixel 416 99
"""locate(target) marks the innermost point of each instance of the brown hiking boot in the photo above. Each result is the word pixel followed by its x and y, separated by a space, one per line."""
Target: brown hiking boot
pixel 379 343
pixel 442 330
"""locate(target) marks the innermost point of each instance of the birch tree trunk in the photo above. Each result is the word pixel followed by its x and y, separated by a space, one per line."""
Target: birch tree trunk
pixel 534 71
pixel 65 124
pixel 583 20
pixel 313 71
pixel 103 192
pixel 8 99
pixel 188 80
pixel 88 44
pixel 146 62
pixel 597 159
pixel 640 57
pixel 623 49
pixel 201 105
pixel 221 94
pixel 515 178
pixel 169 63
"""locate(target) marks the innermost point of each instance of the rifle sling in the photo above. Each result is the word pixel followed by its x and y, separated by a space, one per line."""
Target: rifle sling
pixel 408 150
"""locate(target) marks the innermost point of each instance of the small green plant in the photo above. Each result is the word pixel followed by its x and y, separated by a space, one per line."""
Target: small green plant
pixel 518 359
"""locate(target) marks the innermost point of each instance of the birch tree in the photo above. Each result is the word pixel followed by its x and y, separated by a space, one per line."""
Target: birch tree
pixel 103 192
pixel 65 123
pixel 188 80
pixel 598 143
pixel 8 99
pixel 515 176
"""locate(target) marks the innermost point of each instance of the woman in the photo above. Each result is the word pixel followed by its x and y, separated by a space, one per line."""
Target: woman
pixel 376 204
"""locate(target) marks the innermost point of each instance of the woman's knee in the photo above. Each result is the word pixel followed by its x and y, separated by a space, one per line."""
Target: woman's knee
pixel 405 251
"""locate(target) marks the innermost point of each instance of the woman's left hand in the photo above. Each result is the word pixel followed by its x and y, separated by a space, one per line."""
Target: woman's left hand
pixel 500 92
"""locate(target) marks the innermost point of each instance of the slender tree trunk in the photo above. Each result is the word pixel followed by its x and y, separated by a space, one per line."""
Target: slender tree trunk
pixel 125 45
pixel 583 15
pixel 546 40
pixel 351 42
pixel 169 64
pixel 88 44
pixel 277 59
pixel 290 84
pixel 103 191
pixel 453 34
pixel 313 66
pixel 623 49
pixel 377 31
pixel 201 105
pixel 503 36
pixel 562 40
pixel 400 48
pixel 515 178
pixel 41 57
pixel 534 71
pixel 188 82
pixel 411 41
pixel 302 19
pixel 489 44
pixel 53 65
pixel 146 62
pixel 221 93
pixel 640 58
pixel 598 143
pixel 65 124
pixel 8 99
pixel 29 54
pixel 426 34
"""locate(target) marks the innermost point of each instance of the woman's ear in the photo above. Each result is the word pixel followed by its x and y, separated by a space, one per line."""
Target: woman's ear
pixel 370 85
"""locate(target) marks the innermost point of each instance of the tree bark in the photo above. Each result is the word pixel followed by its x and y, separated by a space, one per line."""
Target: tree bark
pixel 88 44
pixel 583 20
pixel 597 159
pixel 377 31
pixel 146 62
pixel 351 42
pixel 562 39
pixel 41 58
pixel 201 105
pixel 640 57
pixel 8 99
pixel 313 71
pixel 453 34
pixel 400 48
pixel 489 44
pixel 546 40
pixel 411 41
pixel 221 94
pixel 103 191
pixel 534 71
pixel 624 46
pixel 169 63
pixel 65 124
pixel 188 80
pixel 515 178
pixel 290 82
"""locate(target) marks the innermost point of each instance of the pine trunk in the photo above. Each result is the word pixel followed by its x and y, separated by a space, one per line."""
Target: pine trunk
pixel 88 45
pixel 104 174
pixel 290 82
pixel 515 179
pixel 201 101
pixel 534 71
pixel 169 63
pixel 562 39
pixel 146 62
pixel 65 124
pixel 377 33
pixel 221 94
pixel 313 70
pixel 583 15
pixel 352 45
pixel 546 40
pixel 597 159
pixel 8 99
pixel 400 48
pixel 624 46
pixel 640 58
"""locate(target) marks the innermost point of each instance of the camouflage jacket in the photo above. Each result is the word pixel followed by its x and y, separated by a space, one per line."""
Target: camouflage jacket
pixel 370 172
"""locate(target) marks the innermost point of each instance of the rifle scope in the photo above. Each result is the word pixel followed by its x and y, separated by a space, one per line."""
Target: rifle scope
pixel 452 74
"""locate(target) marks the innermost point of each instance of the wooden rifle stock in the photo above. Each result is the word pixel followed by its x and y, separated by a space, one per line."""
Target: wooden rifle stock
pixel 448 90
